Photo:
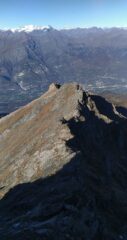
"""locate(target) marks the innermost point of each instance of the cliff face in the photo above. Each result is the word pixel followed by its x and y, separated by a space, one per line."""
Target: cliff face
pixel 63 168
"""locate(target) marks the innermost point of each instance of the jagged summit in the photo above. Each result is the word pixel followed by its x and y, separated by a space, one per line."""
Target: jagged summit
pixel 63 168
pixel 54 86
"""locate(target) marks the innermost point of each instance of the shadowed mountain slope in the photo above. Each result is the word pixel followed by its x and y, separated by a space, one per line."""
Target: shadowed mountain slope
pixel 63 168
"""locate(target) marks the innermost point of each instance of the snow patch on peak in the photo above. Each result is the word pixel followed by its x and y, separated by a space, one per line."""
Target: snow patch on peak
pixel 30 28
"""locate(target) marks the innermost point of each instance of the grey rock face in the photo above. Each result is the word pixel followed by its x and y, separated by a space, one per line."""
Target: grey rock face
pixel 63 168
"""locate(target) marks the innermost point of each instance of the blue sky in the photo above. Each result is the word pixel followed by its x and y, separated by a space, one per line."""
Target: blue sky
pixel 63 13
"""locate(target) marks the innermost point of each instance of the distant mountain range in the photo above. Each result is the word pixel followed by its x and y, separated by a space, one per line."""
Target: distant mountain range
pixel 33 57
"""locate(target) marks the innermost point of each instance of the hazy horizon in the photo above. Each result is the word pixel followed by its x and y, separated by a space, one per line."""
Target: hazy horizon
pixel 66 28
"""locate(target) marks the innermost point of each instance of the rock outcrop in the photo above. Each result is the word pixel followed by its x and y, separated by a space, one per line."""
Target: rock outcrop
pixel 63 168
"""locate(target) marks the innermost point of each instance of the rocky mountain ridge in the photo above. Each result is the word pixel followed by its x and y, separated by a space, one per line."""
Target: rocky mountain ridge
pixel 63 168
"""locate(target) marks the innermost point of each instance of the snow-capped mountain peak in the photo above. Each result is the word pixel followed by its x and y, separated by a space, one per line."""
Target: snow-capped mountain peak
pixel 30 28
